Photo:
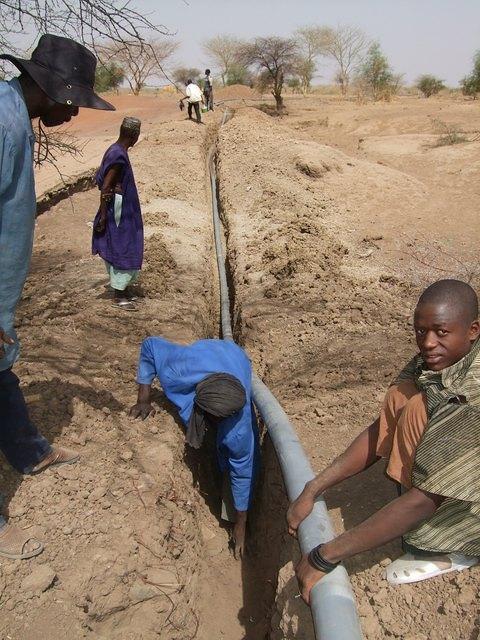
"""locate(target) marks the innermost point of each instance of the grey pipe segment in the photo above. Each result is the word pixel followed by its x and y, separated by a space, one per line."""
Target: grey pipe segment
pixel 332 602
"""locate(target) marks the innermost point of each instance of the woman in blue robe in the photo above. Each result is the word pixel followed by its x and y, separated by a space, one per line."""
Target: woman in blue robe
pixel 208 380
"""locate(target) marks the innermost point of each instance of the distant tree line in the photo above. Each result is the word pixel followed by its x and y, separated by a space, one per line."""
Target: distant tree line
pixel 271 63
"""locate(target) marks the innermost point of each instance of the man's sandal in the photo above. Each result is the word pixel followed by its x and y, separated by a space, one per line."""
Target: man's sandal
pixel 17 544
pixel 58 456
pixel 126 305
pixel 410 568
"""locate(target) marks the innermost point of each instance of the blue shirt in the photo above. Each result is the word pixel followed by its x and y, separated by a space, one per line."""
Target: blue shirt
pixel 17 207
pixel 179 369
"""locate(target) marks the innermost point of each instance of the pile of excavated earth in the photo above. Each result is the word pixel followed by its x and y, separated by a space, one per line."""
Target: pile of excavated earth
pixel 327 214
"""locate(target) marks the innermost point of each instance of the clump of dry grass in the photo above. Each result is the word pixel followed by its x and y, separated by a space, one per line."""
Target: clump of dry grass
pixel 449 134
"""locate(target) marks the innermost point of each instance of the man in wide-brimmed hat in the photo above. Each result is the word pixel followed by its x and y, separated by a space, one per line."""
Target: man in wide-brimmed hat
pixel 54 83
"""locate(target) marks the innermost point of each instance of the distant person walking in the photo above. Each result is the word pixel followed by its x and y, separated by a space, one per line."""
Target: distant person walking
pixel 194 96
pixel 208 90
pixel 118 225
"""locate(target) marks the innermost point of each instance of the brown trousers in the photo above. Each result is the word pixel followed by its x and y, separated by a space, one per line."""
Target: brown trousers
pixel 402 422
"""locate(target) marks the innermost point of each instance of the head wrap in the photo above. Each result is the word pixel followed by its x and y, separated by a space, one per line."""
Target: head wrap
pixel 221 395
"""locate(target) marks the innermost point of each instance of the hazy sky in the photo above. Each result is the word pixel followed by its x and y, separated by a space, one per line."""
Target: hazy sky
pixel 418 36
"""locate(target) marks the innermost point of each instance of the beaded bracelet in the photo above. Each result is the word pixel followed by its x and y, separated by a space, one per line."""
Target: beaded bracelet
pixel 318 562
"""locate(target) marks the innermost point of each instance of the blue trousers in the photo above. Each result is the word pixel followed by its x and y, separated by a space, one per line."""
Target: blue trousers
pixel 20 442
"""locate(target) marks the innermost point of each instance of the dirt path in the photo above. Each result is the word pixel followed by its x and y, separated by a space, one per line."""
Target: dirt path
pixel 124 529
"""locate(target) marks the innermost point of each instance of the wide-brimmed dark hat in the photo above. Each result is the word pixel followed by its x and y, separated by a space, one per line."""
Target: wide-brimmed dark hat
pixel 64 70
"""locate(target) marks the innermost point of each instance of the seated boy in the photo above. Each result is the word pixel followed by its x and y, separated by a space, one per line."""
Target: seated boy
pixel 429 431
pixel 209 382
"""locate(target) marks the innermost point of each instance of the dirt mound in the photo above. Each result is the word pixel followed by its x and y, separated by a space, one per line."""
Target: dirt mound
pixel 236 92
pixel 160 267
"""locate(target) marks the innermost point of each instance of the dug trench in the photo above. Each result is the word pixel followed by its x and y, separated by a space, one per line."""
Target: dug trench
pixel 328 326
pixel 134 546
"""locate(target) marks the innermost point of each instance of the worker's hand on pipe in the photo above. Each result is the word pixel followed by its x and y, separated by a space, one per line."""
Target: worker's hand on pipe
pixel 142 410
pixel 4 339
pixel 238 535
pixel 307 577
pixel 298 511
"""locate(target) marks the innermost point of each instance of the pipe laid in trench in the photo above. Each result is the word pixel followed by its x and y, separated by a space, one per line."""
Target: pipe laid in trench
pixel 332 601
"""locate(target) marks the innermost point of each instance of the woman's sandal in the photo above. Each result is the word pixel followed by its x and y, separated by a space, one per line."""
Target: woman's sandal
pixel 14 541
pixel 410 568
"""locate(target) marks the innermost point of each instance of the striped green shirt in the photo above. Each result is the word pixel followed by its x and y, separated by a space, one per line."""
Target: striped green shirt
pixel 447 458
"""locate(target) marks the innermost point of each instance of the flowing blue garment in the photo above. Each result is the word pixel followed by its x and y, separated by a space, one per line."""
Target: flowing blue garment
pixel 179 368
pixel 121 244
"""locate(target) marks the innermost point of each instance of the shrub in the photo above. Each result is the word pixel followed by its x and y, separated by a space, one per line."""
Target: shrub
pixel 449 134
pixel 429 85
pixel 376 76
pixel 108 76
pixel 470 86
pixel 238 74
pixel 182 74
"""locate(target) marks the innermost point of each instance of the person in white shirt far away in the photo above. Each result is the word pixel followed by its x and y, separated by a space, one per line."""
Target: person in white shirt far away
pixel 194 96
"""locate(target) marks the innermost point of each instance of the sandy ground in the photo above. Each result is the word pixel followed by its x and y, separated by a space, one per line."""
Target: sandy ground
pixel 323 302
pixel 336 216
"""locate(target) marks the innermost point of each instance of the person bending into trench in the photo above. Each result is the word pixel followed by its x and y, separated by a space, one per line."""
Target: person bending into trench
pixel 429 431
pixel 194 97
pixel 118 226
pixel 209 382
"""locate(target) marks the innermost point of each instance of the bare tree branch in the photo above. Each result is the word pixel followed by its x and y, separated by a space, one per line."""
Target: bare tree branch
pixel 224 51
pixel 86 20
pixel 274 58
pixel 347 46
pixel 312 42
pixel 139 62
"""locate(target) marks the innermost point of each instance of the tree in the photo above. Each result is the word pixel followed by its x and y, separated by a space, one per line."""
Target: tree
pixel 304 72
pixel 224 50
pixel 295 84
pixel 471 84
pixel 347 46
pixel 376 75
pixel 182 74
pixel 429 85
pixel 311 42
pixel 109 76
pixel 139 63
pixel 273 58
